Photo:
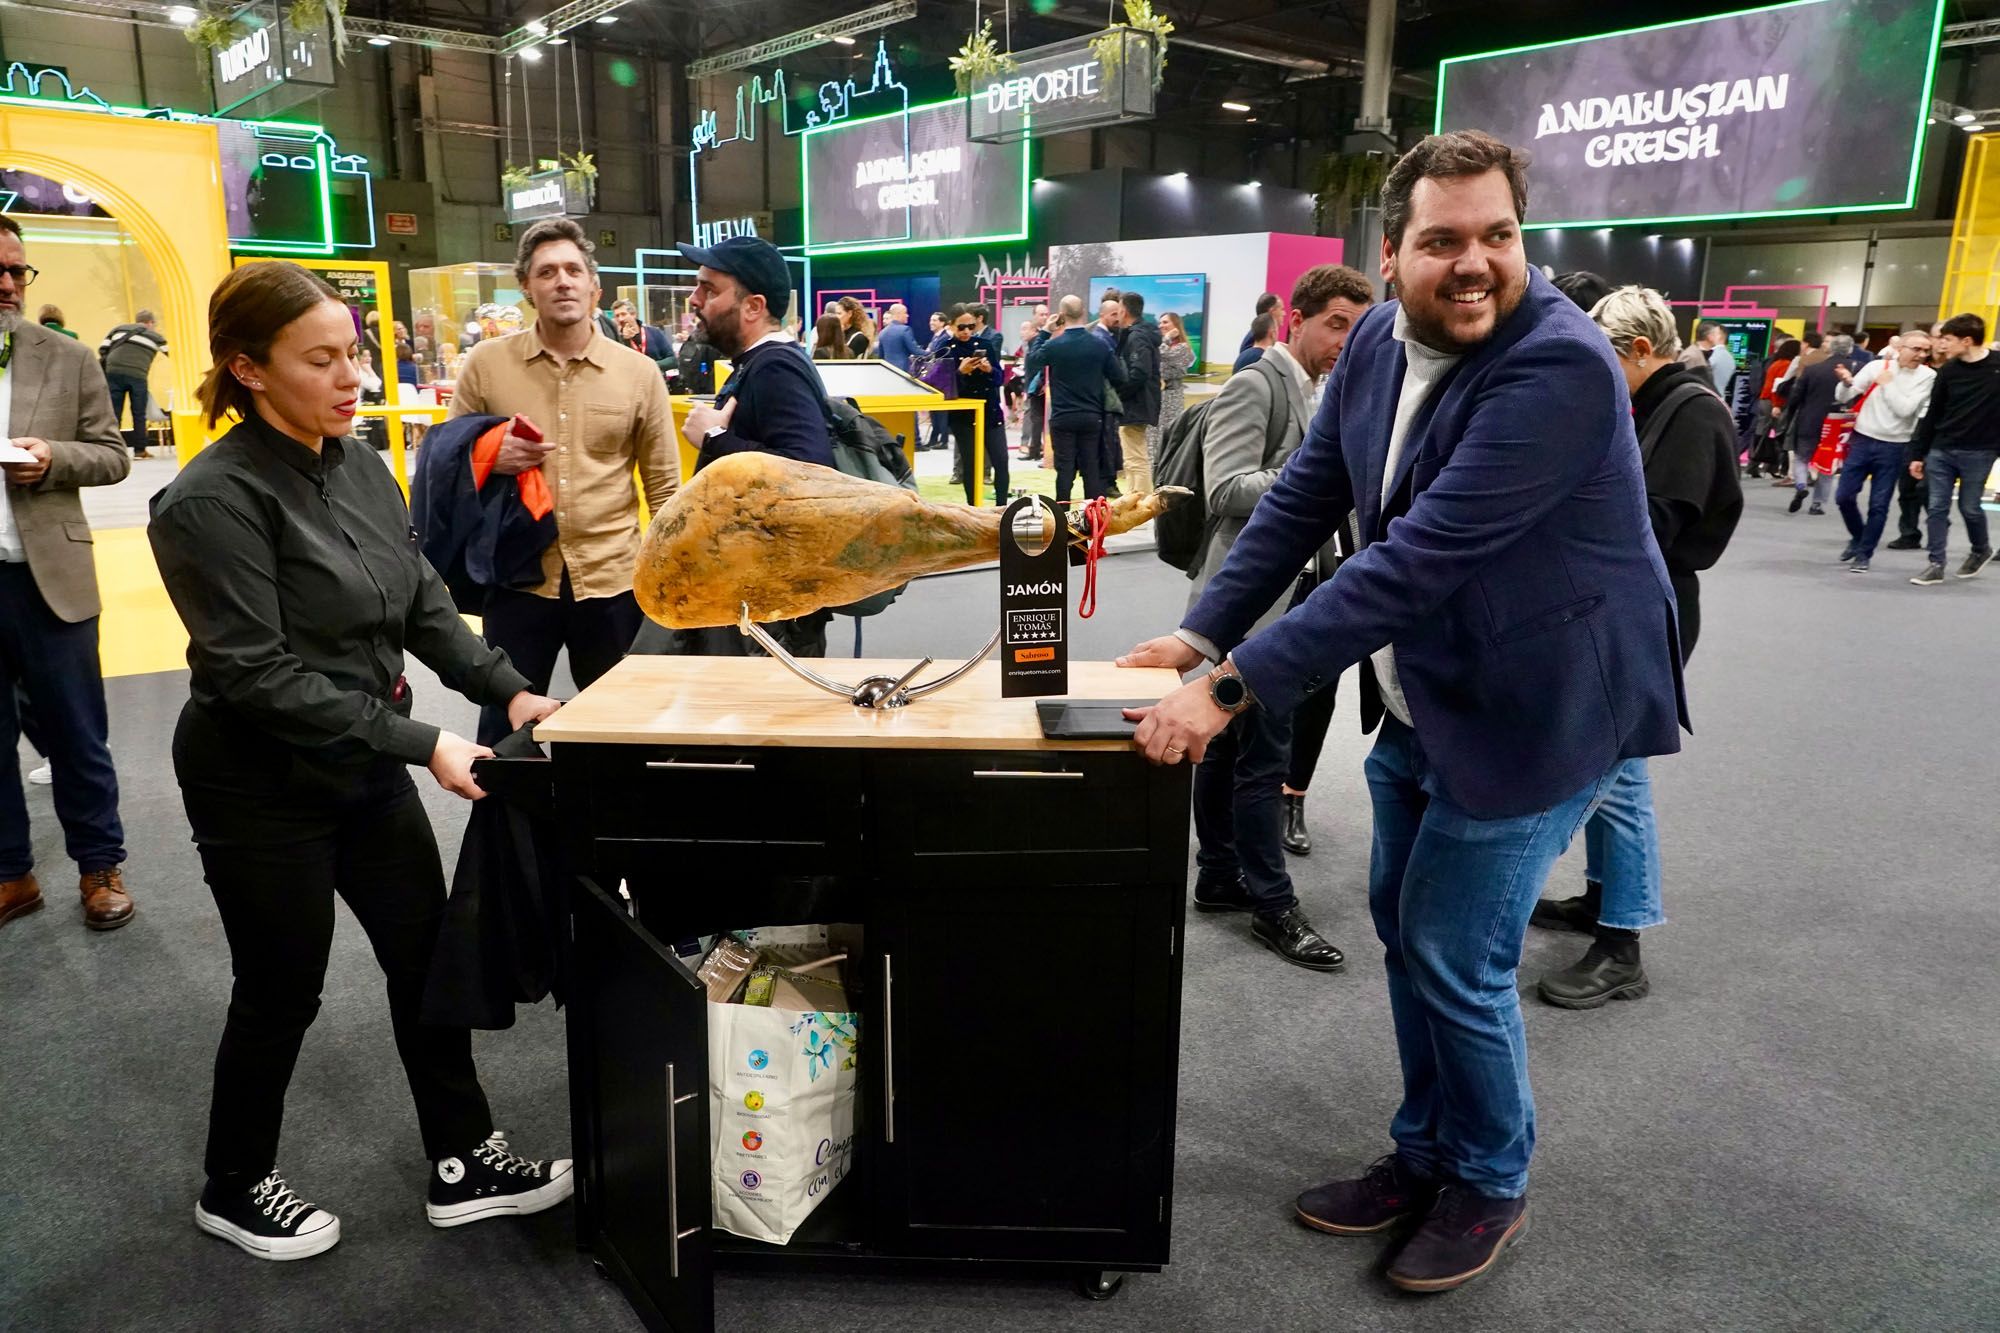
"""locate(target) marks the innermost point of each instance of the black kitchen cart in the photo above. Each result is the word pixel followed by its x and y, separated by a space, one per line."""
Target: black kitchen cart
pixel 1021 902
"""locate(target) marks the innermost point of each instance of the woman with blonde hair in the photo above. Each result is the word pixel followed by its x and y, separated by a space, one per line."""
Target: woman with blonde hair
pixel 1687 447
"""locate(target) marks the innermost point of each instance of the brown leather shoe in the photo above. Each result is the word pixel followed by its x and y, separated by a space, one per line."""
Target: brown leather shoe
pixel 106 905
pixel 18 897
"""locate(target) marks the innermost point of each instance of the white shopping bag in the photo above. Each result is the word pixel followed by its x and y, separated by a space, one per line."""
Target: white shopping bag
pixel 781 1087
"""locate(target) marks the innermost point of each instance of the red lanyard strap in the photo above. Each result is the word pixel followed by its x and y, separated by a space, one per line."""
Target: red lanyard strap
pixel 1096 518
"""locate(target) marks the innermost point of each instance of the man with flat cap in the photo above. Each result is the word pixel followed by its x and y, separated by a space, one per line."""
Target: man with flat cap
pixel 773 403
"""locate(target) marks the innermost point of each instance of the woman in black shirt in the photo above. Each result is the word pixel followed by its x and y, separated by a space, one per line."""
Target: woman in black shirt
pixel 287 550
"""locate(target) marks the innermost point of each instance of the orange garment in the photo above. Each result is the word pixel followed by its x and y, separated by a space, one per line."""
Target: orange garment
pixel 1771 374
pixel 534 487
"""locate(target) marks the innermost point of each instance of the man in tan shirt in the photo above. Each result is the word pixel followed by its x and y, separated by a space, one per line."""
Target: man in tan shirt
pixel 601 410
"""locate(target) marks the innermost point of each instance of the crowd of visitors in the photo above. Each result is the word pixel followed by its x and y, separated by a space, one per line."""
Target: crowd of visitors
pixel 1385 489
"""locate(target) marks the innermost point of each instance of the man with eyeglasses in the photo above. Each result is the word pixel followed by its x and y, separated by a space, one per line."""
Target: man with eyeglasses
pixel 61 436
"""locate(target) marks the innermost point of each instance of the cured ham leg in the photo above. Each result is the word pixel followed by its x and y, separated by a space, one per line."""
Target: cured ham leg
pixel 790 538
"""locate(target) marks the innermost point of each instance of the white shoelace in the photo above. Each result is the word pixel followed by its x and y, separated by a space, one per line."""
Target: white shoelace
pixel 275 1199
pixel 494 1153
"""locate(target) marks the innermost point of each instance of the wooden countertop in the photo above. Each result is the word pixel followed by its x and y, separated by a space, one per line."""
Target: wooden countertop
pixel 756 701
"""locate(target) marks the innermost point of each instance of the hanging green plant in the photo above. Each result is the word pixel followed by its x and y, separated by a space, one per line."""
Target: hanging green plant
pixel 513 177
pixel 980 60
pixel 1109 47
pixel 215 30
pixel 580 176
pixel 308 15
pixel 1343 180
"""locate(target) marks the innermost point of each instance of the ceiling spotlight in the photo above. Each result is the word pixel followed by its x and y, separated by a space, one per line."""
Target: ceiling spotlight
pixel 844 40
pixel 1974 128
pixel 607 18
pixel 182 16
pixel 530 53
pixel 380 39
pixel 558 41
pixel 1235 106
pixel 1254 185
pixel 1178 175
pixel 537 27
pixel 1965 118
pixel 1249 120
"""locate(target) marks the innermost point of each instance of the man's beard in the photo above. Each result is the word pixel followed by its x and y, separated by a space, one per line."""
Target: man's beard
pixel 1428 328
pixel 11 319
pixel 724 332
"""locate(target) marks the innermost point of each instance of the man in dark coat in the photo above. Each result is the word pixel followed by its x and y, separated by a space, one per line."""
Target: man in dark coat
pixel 1139 346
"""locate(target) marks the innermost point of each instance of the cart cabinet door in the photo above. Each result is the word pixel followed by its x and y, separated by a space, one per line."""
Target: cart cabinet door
pixel 1027 1054
pixel 639 1073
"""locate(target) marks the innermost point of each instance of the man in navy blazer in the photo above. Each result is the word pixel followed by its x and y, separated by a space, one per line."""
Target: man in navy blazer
pixel 1512 615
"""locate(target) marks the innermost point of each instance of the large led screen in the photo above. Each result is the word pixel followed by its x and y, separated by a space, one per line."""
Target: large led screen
pixel 1818 106
pixel 903 183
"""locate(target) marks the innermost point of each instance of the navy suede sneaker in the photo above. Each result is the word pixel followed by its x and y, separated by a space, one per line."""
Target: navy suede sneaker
pixel 1387 1193
pixel 1462 1238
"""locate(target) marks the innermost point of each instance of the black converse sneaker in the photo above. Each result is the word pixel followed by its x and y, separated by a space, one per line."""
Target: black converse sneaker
pixel 492 1182
pixel 268 1220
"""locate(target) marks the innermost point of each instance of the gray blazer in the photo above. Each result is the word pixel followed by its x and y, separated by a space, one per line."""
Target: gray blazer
pixel 59 396
pixel 1233 464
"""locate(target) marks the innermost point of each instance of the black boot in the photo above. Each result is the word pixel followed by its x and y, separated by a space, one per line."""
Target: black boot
pixel 1578 914
pixel 1609 970
pixel 1297 841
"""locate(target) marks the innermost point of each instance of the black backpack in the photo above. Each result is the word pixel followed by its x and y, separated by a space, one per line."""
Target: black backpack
pixel 864 448
pixel 1181 532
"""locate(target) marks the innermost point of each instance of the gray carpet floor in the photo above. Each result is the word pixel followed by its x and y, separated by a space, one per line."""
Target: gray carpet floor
pixel 1796 1131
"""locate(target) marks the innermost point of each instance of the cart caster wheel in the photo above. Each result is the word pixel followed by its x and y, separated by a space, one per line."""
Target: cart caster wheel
pixel 602 1271
pixel 1099 1286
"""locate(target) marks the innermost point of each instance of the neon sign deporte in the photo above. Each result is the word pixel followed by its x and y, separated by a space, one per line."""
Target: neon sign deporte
pixel 1050 85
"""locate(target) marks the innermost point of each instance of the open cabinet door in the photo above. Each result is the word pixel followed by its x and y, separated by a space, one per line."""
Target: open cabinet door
pixel 638 1029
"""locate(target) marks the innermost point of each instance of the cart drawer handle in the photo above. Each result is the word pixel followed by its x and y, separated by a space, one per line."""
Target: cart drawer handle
pixel 674 1180
pixel 1043 773
pixel 888 1049
pixel 706 766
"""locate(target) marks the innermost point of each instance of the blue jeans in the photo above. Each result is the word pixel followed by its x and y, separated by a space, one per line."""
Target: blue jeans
pixel 1803 476
pixel 1885 463
pixel 1451 896
pixel 55 663
pixel 1968 468
pixel 1621 849
pixel 1239 818
pixel 135 388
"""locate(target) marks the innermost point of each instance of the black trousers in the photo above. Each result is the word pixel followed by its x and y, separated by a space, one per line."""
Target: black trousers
pixel 1912 498
pixel 1079 450
pixel 804 636
pixel 1034 427
pixel 1310 721
pixel 274 864
pixel 1687 596
pixel 532 630
pixel 962 434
